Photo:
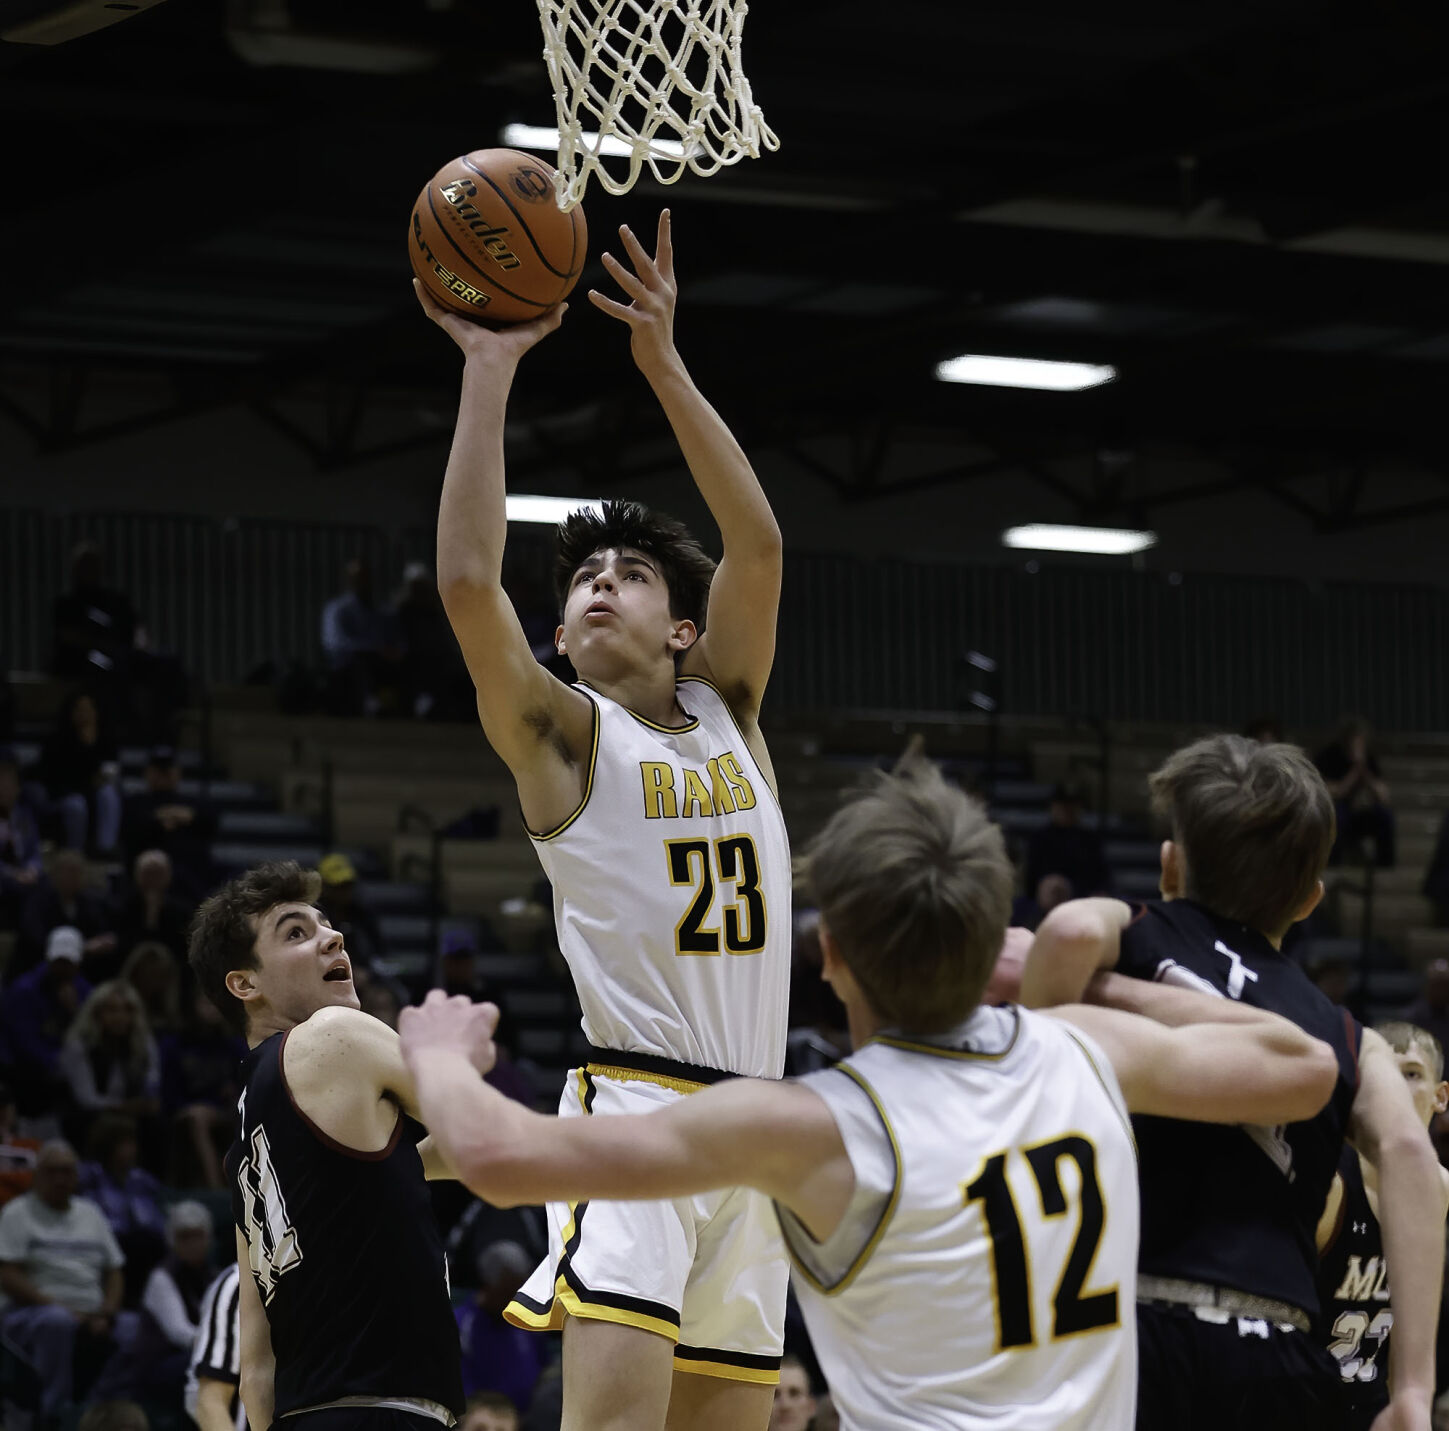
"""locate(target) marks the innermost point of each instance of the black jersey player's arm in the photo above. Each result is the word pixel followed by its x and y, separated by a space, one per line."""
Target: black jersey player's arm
pixel 258 1365
pixel 540 727
pixel 1076 941
pixel 1385 1127
pixel 737 648
pixel 1259 1071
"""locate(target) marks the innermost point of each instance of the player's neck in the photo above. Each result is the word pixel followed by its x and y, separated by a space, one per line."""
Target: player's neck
pixel 862 1022
pixel 648 694
pixel 264 1026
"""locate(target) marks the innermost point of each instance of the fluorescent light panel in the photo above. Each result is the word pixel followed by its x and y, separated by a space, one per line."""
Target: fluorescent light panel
pixel 1100 541
pixel 1024 373
pixel 547 509
pixel 545 140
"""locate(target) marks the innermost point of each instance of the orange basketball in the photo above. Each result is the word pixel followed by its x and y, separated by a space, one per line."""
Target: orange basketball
pixel 488 240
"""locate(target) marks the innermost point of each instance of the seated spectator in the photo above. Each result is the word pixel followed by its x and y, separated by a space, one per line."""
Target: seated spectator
pixel 361 643
pixel 1360 796
pixel 127 1195
pixel 199 1089
pixel 161 818
pixel 78 769
pixel 20 863
pixel 154 972
pixel 213 1379
pixel 63 897
pixel 1430 1010
pixel 347 912
pixel 114 1416
pixel 171 1303
pixel 435 677
pixel 1064 847
pixel 109 1058
pixel 489 1411
pixel 37 1010
pixel 498 1356
pixel 17 1153
pixel 152 913
pixel 1029 909
pixel 61 1285
pixel 794 1405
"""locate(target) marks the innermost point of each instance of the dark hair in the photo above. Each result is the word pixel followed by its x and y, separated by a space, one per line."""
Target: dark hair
pixel 914 885
pixel 223 937
pixel 1255 823
pixel 490 1401
pixel 1403 1037
pixel 686 567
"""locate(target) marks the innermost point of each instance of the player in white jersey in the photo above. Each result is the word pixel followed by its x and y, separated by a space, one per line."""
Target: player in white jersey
pixel 960 1194
pixel 649 794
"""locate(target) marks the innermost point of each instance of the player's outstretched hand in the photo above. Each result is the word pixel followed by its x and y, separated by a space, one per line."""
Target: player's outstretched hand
pixel 1004 985
pixel 651 286
pixel 506 345
pixel 444 1024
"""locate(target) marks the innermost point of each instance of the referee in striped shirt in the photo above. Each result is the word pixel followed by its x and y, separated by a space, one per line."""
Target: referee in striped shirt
pixel 215 1372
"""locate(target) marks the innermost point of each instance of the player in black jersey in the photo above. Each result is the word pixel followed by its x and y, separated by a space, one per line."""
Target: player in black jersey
pixel 1227 1294
pixel 346 1320
pixel 1353 1276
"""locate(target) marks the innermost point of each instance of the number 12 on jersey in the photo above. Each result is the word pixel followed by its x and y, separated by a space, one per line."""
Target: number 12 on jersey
pixel 1073 1310
pixel 694 863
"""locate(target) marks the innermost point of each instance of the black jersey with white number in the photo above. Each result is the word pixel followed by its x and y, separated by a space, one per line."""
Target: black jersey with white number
pixel 345 1252
pixel 1353 1290
pixel 1237 1206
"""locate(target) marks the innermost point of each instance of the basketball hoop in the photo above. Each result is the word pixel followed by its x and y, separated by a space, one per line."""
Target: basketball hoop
pixel 659 82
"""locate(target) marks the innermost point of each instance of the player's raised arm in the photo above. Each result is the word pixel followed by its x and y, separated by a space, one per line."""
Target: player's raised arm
pixel 1075 941
pixel 777 1137
pixel 258 1365
pixel 1265 1070
pixel 524 710
pixel 1385 1127
pixel 738 645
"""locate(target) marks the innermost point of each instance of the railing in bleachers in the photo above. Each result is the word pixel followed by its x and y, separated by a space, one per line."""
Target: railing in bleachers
pixel 855 632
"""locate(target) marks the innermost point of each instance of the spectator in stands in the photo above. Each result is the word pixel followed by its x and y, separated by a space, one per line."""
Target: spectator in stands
pixel 62 897
pixel 435 677
pixel 17 1152
pixel 35 1014
pixel 79 771
pixel 1431 1009
pixel 154 972
pixel 1029 909
pixel 794 1397
pixel 1436 877
pixel 152 913
pixel 110 1057
pixel 61 1282
pixel 199 1090
pixel 496 1355
pixel 1065 847
pixel 457 971
pixel 361 643
pixel 545 1411
pixel 827 1418
pixel 171 1303
pixel 1360 796
pixel 347 912
pixel 489 1411
pixel 128 1196
pixel 114 1416
pixel 20 862
pixel 182 826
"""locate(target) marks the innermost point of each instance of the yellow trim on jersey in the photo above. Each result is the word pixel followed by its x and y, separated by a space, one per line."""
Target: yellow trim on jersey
pixel 725 1372
pixel 588 786
pixel 1106 1087
pixel 724 700
pixel 863 1255
pixel 935 1050
pixel 639 1075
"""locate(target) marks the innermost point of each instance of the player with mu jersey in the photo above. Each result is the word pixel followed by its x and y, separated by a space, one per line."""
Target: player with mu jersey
pixel 650 797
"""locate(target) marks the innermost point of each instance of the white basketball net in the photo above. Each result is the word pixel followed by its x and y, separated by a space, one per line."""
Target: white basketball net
pixel 658 81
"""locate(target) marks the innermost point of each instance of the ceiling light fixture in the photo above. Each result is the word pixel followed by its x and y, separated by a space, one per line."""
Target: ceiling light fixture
pixel 540 138
pixel 547 509
pixel 1040 373
pixel 1099 541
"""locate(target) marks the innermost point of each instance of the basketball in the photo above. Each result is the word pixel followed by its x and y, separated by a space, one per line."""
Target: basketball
pixel 488 240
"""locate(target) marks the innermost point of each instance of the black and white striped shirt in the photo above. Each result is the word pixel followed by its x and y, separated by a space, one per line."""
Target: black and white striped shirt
pixel 217 1353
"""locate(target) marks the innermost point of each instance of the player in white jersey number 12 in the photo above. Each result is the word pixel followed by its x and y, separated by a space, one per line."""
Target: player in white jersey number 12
pixel 959 1196
pixel 650 798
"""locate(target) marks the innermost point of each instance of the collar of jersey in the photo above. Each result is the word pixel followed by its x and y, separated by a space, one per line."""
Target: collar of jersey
pixel 691 724
pixel 956 1042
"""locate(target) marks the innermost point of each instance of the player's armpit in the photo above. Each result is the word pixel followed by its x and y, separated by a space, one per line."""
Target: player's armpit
pixel 258 1365
pixel 1267 1072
